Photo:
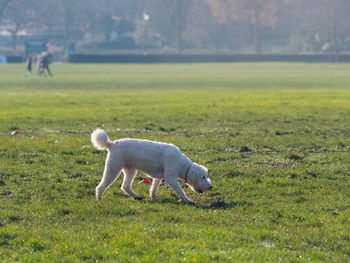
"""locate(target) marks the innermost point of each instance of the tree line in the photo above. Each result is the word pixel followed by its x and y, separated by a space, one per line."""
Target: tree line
pixel 258 26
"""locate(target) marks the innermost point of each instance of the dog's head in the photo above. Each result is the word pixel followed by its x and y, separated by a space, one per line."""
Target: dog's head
pixel 197 178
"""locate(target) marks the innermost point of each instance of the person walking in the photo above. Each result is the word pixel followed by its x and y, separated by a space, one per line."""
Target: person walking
pixel 39 65
pixel 46 60
pixel 29 66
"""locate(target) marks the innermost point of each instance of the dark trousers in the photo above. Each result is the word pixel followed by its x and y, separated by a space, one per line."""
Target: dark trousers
pixel 48 70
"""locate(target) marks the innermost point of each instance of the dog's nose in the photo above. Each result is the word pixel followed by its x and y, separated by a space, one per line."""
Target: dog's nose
pixel 210 187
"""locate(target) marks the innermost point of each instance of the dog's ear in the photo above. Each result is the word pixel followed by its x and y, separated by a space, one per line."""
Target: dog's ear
pixel 202 168
pixel 197 171
pixel 205 169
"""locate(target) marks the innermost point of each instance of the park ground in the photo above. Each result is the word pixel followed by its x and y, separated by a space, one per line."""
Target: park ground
pixel 274 136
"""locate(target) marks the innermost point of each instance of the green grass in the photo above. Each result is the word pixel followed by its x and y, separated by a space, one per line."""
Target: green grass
pixel 275 137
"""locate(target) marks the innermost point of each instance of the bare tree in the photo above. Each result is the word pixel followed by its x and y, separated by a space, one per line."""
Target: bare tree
pixel 49 17
pixel 18 15
pixel 177 11
pixel 255 12
pixel 307 25
pixel 337 20
pixel 69 17
pixel 325 23
pixel 3 5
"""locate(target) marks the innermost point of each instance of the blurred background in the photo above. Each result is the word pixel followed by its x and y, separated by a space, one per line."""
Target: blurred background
pixel 64 27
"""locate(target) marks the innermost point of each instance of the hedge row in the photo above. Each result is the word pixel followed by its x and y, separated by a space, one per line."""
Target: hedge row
pixel 83 58
pixel 14 59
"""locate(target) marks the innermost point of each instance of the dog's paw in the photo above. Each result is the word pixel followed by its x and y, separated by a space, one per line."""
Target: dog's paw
pixel 188 201
pixel 138 197
pixel 98 194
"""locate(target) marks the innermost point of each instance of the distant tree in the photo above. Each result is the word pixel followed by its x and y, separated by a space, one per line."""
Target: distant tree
pixel 256 12
pixel 19 15
pixel 202 29
pixel 324 25
pixel 200 25
pixel 107 17
pixel 75 18
pixel 335 21
pixel 69 16
pixel 145 35
pixel 49 17
pixel 3 5
pixel 177 11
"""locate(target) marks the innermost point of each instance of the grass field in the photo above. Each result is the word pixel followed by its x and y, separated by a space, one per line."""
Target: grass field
pixel 275 137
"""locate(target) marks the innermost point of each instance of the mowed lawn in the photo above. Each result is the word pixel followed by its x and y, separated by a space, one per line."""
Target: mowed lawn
pixel 274 136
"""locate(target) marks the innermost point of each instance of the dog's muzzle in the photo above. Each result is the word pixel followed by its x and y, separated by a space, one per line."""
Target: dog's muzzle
pixel 198 191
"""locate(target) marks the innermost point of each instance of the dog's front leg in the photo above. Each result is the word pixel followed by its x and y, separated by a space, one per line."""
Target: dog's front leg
pixel 176 187
pixel 154 187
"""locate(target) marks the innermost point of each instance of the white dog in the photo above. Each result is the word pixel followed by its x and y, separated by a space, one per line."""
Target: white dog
pixel 157 160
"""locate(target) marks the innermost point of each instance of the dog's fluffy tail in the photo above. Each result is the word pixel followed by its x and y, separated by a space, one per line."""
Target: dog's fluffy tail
pixel 100 140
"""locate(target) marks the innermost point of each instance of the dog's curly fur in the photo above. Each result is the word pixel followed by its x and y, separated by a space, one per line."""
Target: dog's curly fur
pixel 157 160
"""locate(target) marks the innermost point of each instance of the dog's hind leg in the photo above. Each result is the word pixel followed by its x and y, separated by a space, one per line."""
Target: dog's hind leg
pixel 154 187
pixel 129 176
pixel 110 174
pixel 173 183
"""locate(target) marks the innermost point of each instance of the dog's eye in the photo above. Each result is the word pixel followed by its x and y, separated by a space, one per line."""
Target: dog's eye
pixel 204 177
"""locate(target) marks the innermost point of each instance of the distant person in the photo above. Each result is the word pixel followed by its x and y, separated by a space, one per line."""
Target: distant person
pixel 39 65
pixel 29 66
pixel 46 60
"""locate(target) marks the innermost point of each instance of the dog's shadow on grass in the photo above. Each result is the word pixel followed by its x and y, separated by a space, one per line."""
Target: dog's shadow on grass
pixel 222 204
pixel 219 204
